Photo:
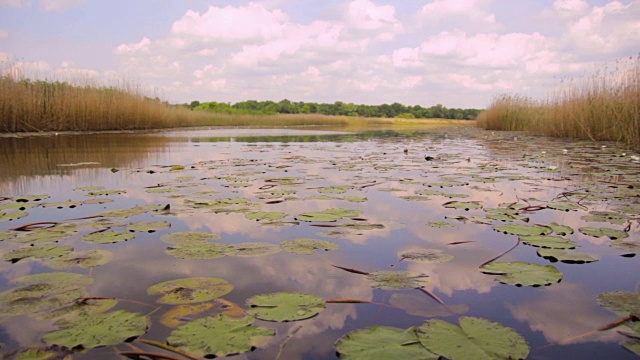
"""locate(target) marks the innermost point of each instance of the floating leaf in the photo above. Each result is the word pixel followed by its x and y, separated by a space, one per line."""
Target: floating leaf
pixel 107 237
pixel 626 245
pixel 441 224
pixel 219 336
pixel 633 346
pixel 564 256
pixel 56 278
pixel 80 308
pixel 190 290
pixel 396 280
pixel 475 338
pixel 561 230
pixel 106 192
pixel 99 330
pixel 255 249
pixel 620 302
pixel 85 259
pixel 136 210
pixel 268 216
pixel 515 229
pixel 62 204
pixel 335 189
pixel 189 237
pixel 12 215
pixel 604 231
pixel 17 206
pixel 606 216
pixel 547 241
pixel 523 274
pixel 563 206
pixel 466 205
pixel 37 252
pixel 425 255
pixel 285 306
pixel 199 251
pixel 143 226
pixel 43 236
pixel 89 188
pixel 382 342
pixel 173 318
pixel 27 198
pixel 7 235
pixel 35 298
pixel 328 215
pixel 307 246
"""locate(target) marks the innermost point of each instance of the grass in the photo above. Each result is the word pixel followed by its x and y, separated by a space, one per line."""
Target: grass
pixel 604 106
pixel 44 106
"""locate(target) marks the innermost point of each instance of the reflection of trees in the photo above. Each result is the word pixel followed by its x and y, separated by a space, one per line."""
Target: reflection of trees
pixel 40 155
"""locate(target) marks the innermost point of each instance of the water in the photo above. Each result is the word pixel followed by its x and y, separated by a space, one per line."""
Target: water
pixel 380 173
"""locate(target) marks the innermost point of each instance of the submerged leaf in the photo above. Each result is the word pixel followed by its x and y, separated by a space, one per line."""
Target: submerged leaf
pixel 99 330
pixel 285 306
pixel 523 274
pixel 219 336
pixel 190 290
pixel 475 338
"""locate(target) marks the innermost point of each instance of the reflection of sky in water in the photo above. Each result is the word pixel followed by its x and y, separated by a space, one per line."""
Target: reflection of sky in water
pixel 377 168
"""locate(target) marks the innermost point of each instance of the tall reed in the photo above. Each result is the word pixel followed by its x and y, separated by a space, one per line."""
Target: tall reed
pixel 604 106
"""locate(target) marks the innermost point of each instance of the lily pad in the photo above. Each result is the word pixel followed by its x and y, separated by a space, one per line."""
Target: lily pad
pixel 307 246
pixel 516 229
pixel 620 302
pixel 219 336
pixel 563 206
pixel 85 259
pixel 173 318
pixel 99 330
pixel 612 234
pixel 397 280
pixel 561 230
pixel 43 236
pixel 285 306
pixel 441 224
pixel 466 205
pixel 255 249
pixel 80 308
pixel 475 338
pixel 523 274
pixel 633 346
pixel 335 189
pixel 328 215
pixel 150 227
pixel 189 237
pixel 190 290
pixel 547 241
pixel 568 257
pixel 199 250
pixel 7 235
pixel 268 216
pixel 382 342
pixel 62 204
pixel 107 237
pixel 15 215
pixel 626 245
pixel 27 198
pixel 425 255
pixel 606 216
pixel 106 192
pixel 37 252
pixel 56 278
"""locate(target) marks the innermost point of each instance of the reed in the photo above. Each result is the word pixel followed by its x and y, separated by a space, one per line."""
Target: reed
pixel 602 106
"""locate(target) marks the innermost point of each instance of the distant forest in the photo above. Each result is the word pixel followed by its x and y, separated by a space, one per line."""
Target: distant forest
pixel 394 110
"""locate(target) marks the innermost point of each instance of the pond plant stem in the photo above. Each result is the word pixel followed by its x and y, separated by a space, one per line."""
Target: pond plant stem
pixel 501 255
pixel 168 348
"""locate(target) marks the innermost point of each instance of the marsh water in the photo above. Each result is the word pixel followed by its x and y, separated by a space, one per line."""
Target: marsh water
pixel 396 190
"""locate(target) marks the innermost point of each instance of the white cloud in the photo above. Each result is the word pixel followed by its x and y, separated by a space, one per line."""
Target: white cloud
pixel 363 14
pixel 142 45
pixel 15 3
pixel 410 82
pixel 571 8
pixel 59 5
pixel 456 13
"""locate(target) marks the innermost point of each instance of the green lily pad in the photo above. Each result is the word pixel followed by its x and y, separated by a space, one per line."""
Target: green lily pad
pixel 15 215
pixel 425 255
pixel 516 229
pixel 563 206
pixel 77 309
pixel 606 216
pixel 268 216
pixel 561 230
pixel 255 249
pixel 523 274
pixel 189 237
pixel 285 306
pixel 336 189
pixel 475 338
pixel 62 204
pixel 107 237
pixel 441 224
pixel 37 252
pixel 382 342
pixel 612 234
pixel 466 205
pixel 17 206
pixel 85 259
pixel 27 198
pixel 329 215
pixel 43 354
pixel 99 330
pixel 307 246
pixel 626 245
pixel 356 199
pixel 89 188
pixel 43 236
pixel 106 192
pixel 633 346
pixel 564 256
pixel 199 250
pixel 219 336
pixel 620 302
pixel 190 290
pixel 136 210
pixel 56 278
pixel 547 241
pixel 7 235
pixel 397 280
pixel 150 227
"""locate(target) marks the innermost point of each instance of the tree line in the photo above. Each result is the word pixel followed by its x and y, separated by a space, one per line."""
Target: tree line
pixel 337 108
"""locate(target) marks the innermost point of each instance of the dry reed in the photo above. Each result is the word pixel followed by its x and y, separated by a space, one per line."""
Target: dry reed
pixel 604 106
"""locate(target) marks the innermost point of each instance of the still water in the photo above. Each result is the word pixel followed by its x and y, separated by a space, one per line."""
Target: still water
pixel 396 191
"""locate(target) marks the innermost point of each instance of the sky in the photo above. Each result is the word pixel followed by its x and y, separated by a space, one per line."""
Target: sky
pixel 459 53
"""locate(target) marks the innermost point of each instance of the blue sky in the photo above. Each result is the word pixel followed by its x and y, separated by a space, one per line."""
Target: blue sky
pixel 460 53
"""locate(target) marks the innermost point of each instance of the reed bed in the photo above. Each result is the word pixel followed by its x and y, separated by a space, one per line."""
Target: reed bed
pixel 603 106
